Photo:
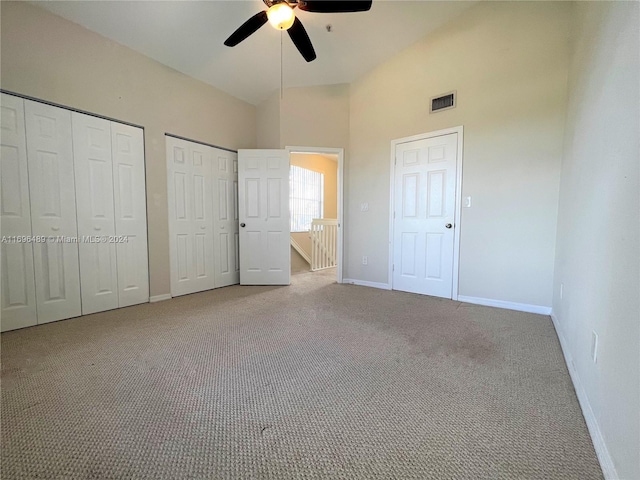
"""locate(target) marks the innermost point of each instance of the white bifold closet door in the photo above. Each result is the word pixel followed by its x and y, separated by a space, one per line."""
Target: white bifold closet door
pixel 17 282
pixel 96 223
pixel 73 208
pixel 130 207
pixel 190 217
pixel 109 172
pixel 53 211
pixel 203 216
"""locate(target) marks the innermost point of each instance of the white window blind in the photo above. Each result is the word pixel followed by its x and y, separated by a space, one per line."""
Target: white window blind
pixel 306 200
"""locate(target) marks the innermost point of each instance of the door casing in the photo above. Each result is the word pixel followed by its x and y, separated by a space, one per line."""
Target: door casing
pixel 458 200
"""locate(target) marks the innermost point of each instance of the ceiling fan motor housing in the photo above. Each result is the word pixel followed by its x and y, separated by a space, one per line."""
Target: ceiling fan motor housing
pixel 280 15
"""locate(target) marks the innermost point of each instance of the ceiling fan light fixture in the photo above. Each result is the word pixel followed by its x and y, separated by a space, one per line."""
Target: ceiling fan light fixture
pixel 281 16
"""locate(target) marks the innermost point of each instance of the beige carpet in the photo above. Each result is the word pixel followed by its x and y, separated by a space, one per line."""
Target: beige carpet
pixel 311 381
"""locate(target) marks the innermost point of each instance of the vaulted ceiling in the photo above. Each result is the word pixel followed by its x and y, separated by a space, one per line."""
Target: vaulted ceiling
pixel 188 36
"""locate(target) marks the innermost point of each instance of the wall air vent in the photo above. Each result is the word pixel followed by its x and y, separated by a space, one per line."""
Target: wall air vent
pixel 443 102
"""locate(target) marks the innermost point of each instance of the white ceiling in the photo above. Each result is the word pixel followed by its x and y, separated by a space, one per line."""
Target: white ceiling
pixel 188 36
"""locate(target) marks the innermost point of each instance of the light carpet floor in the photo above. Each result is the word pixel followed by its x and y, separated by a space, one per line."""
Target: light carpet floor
pixel 316 380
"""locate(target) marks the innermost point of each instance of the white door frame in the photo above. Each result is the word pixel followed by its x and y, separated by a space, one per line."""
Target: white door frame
pixel 458 199
pixel 340 153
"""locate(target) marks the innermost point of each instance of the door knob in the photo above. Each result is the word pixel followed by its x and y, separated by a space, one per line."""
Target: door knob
pixel 448 225
pixel 55 229
pixel 243 225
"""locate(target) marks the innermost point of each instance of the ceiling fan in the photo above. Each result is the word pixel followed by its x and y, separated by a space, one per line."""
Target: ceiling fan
pixel 280 15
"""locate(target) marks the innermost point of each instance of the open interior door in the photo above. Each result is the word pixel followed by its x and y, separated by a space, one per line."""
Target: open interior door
pixel 263 191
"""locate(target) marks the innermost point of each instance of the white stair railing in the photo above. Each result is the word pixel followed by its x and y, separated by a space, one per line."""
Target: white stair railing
pixel 324 243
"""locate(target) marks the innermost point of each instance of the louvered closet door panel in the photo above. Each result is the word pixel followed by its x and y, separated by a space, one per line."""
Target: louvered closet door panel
pixel 96 225
pixel 53 211
pixel 225 212
pixel 127 146
pixel 17 282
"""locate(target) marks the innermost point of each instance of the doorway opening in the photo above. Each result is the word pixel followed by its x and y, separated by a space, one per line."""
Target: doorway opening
pixel 315 205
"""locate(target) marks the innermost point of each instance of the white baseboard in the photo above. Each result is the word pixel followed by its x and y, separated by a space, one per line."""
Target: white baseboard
pixel 296 246
pixel 365 283
pixel 521 307
pixel 604 457
pixel 160 298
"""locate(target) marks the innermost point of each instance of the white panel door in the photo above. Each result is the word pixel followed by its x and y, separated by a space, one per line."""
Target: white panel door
pixel 96 224
pixel 263 194
pixel 127 147
pixel 424 203
pixel 53 211
pixel 225 214
pixel 17 280
pixel 190 216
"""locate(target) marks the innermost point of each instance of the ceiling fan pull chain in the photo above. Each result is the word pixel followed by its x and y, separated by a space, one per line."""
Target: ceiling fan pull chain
pixel 281 80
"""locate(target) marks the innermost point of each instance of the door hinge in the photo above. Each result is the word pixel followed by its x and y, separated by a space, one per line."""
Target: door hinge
pixel 394 214
pixel 393 267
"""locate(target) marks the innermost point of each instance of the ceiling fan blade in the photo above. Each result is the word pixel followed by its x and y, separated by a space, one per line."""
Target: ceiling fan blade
pixel 301 40
pixel 334 6
pixel 246 29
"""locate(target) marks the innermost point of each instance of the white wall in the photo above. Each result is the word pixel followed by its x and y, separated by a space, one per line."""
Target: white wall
pixel 53 59
pixel 507 62
pixel 598 242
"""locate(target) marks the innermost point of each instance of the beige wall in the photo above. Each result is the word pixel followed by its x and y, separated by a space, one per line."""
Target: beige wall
pixel 508 63
pixel 327 165
pixel 268 122
pixel 305 116
pixel 50 58
pixel 315 116
pixel 598 242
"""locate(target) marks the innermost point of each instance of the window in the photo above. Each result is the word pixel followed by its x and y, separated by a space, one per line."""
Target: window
pixel 306 197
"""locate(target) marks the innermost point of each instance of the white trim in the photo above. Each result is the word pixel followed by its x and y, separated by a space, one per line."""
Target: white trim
pixel 299 249
pixel 340 153
pixel 521 307
pixel 457 221
pixel 602 452
pixel 365 283
pixel 160 298
pixel 458 215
